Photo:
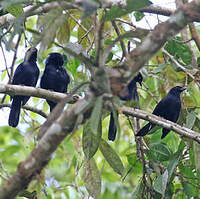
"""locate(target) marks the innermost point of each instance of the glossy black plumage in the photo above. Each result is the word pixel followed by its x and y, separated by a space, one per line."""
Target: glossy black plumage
pixel 55 77
pixel 131 94
pixel 168 108
pixel 26 74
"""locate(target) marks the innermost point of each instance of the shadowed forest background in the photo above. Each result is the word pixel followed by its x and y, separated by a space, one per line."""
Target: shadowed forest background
pixel 67 154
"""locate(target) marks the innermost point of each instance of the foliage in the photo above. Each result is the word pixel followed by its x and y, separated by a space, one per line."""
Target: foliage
pixel 86 163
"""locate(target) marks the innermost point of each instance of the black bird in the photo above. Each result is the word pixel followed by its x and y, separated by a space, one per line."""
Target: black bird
pixel 168 108
pixel 55 77
pixel 26 74
pixel 131 94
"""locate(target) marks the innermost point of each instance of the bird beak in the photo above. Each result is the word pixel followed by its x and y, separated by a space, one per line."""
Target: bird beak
pixel 182 89
pixel 140 84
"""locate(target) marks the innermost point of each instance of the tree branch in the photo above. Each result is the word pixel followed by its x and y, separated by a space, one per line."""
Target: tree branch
pixel 29 108
pixel 41 154
pixel 162 122
pixel 35 92
pixel 35 10
pixel 157 10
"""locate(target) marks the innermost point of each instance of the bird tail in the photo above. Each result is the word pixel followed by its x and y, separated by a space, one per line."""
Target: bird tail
pixel 143 131
pixel 14 112
pixel 112 128
pixel 52 105
pixel 164 133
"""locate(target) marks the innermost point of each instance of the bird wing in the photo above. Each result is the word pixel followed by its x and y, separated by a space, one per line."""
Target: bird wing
pixel 26 75
pixel 18 75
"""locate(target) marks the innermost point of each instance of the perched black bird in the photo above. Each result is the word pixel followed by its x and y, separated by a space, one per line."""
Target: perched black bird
pixel 55 77
pixel 26 74
pixel 131 94
pixel 168 108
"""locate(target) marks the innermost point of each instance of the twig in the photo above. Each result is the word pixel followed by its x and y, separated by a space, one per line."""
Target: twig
pixel 121 41
pixel 29 108
pixel 4 57
pixel 182 67
pixel 81 26
pixel 12 65
pixel 181 130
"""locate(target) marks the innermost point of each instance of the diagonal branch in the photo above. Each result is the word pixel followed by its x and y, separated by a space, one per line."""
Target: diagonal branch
pixel 181 130
pixel 41 154
pixel 35 10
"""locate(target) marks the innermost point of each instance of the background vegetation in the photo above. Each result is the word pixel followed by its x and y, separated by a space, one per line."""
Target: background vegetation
pixel 84 165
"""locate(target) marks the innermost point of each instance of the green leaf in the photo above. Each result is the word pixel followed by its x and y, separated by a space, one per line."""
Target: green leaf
pixel 132 157
pixel 82 38
pixel 196 155
pixel 160 68
pixel 179 50
pixel 110 56
pixel 138 15
pixel 27 194
pixel 173 162
pixel 190 120
pixel 49 23
pixel 160 183
pixel 16 10
pixel 159 152
pixel 7 3
pixel 111 157
pixel 92 178
pixel 138 191
pixel 90 140
pixel 95 118
pixel 63 33
pixel 190 190
pixel 132 5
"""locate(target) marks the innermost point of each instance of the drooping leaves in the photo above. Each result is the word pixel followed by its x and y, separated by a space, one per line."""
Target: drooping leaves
pixel 95 118
pixel 160 183
pixel 91 140
pixel 159 152
pixel 92 178
pixel 111 157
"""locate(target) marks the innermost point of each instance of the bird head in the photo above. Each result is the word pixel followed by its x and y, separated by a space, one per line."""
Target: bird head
pixel 139 78
pixel 177 90
pixel 31 55
pixel 55 59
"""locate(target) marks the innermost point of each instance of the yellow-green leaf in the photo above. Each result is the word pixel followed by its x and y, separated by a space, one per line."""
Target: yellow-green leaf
pixel 90 140
pixel 111 157
pixel 95 118
pixel 92 178
pixel 15 9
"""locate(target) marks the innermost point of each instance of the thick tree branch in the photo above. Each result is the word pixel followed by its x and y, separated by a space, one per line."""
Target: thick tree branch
pixel 59 129
pixel 35 10
pixel 41 154
pixel 162 122
pixel 195 35
pixel 157 10
pixel 35 92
